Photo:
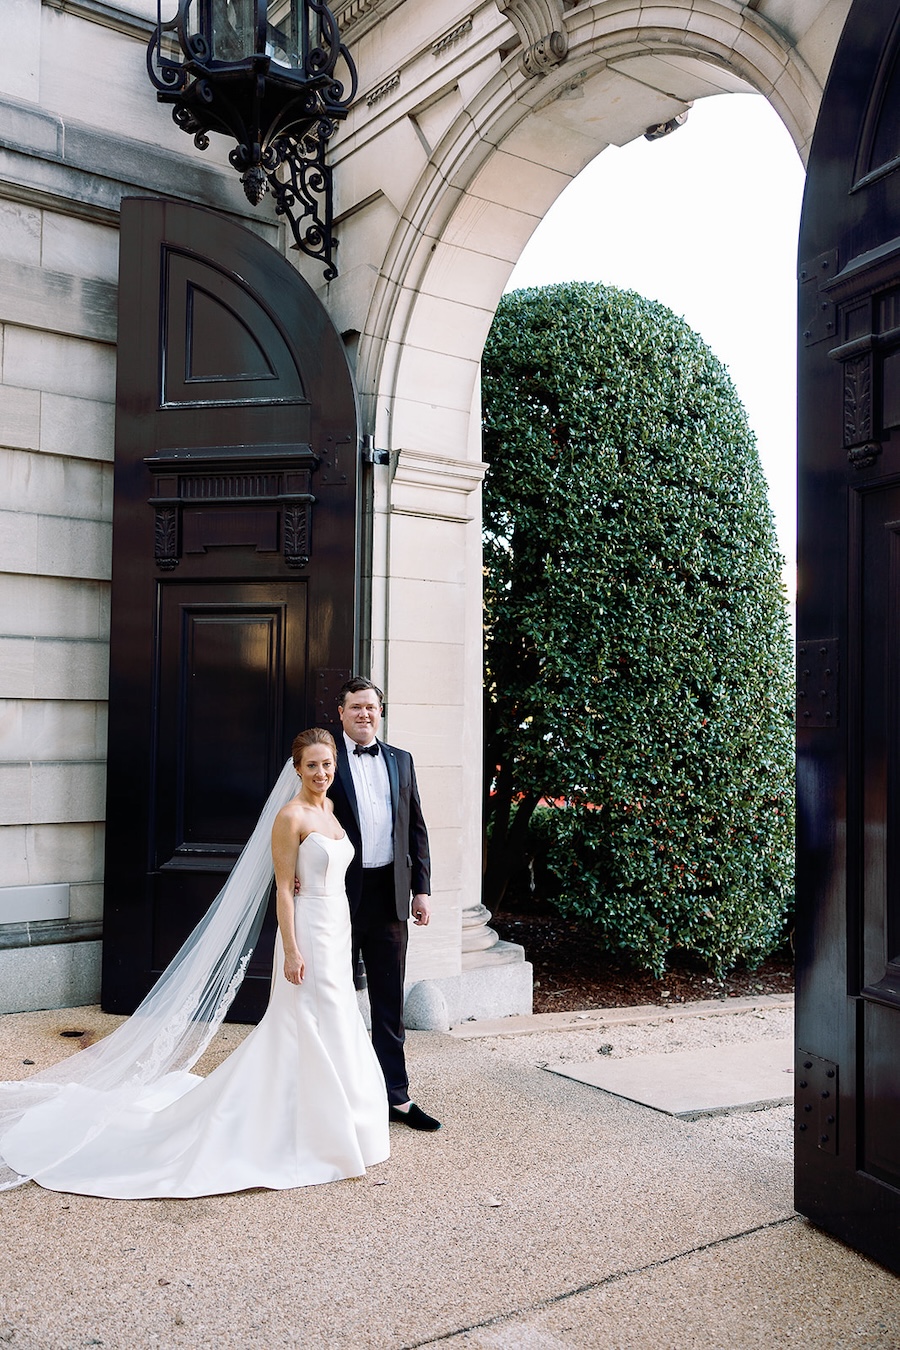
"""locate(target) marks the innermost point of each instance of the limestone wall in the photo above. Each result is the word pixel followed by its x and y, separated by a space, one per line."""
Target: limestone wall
pixel 57 365
pixel 79 128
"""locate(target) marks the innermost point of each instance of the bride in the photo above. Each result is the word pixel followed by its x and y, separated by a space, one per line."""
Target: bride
pixel 300 1101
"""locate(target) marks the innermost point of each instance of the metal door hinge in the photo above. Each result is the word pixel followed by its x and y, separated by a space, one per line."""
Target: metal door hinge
pixel 326 692
pixel 816 1101
pixel 817 683
pixel 817 312
pixel 372 456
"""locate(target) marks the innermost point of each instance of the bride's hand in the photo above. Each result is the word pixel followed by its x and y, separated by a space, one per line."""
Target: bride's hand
pixel 294 967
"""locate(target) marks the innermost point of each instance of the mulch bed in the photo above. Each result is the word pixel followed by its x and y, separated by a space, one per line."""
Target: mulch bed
pixel 572 971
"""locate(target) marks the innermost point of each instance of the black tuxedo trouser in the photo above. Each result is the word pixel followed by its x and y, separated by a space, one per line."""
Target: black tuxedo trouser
pixel 381 939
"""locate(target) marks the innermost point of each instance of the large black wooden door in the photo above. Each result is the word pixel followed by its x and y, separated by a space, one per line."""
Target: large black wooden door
pixel 848 976
pixel 234 561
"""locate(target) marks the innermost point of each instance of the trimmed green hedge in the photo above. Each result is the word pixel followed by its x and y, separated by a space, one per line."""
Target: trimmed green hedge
pixel 637 653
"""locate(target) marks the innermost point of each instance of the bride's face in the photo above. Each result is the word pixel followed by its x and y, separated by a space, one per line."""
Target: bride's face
pixel 316 769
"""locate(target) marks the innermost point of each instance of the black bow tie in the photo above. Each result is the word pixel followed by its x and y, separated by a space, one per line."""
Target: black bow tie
pixel 366 749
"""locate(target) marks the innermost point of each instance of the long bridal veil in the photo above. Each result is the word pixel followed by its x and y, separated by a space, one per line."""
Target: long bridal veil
pixel 182 1012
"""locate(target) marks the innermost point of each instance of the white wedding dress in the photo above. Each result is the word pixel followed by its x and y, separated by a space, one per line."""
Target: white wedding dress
pixel 299 1102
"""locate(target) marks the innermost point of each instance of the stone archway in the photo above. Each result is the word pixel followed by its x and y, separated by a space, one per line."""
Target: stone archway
pixel 499 161
pixel 486 122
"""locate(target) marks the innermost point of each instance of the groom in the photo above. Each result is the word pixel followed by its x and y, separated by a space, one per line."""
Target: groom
pixel 377 801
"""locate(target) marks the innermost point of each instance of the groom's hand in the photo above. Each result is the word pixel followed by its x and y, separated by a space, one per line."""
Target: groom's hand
pixel 421 910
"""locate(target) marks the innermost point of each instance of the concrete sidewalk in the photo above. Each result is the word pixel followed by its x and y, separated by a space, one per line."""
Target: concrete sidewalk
pixel 546 1213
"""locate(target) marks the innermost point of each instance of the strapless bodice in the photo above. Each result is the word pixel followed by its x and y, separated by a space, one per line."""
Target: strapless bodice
pixel 322 864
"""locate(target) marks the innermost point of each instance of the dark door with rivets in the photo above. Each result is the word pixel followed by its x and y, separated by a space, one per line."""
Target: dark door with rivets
pixel 848 705
pixel 234 567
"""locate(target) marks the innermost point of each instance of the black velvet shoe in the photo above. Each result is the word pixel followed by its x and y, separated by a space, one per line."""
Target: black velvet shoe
pixel 415 1118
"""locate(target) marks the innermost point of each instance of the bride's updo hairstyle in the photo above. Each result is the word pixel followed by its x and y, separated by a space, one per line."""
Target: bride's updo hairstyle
pixel 312 736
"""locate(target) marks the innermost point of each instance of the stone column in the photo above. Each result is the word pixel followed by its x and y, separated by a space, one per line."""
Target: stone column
pixel 433 665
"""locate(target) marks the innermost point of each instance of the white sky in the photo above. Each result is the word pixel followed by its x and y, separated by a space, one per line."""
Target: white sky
pixel 706 221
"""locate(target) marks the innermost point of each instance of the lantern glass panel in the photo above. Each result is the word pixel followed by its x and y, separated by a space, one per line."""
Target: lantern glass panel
pixel 285 36
pixel 232 34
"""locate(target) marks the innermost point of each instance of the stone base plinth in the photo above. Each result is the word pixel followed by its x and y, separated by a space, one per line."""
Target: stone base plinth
pixel 497 985
pixel 500 953
pixel 64 975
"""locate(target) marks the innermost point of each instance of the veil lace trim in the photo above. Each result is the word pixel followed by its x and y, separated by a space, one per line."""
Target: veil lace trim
pixel 175 1023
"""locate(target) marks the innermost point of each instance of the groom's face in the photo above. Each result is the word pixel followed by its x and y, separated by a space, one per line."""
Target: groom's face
pixel 361 716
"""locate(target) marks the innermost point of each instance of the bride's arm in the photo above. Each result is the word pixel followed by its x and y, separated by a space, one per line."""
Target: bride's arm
pixel 285 842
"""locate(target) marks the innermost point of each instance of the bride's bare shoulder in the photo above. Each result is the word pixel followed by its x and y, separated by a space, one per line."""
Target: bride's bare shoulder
pixel 291 816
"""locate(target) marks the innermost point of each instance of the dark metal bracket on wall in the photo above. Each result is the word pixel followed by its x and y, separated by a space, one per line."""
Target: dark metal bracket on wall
pixel 372 456
pixel 228 497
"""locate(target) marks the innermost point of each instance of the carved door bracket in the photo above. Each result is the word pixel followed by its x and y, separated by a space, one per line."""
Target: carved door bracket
pixel 223 497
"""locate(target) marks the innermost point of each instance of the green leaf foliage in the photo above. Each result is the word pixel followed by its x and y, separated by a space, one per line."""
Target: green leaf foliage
pixel 637 653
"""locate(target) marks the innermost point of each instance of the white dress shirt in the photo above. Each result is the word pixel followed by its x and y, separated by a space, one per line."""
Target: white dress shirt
pixel 373 799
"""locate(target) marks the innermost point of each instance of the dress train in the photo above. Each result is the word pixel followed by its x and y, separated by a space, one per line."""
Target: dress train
pixel 301 1101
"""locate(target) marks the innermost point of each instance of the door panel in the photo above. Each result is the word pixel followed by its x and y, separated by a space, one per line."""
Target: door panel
pixel 221 345
pixel 848 782
pixel 877 641
pixel 228 655
pixel 231 676
pixel 880 1138
pixel 234 569
pixel 876 509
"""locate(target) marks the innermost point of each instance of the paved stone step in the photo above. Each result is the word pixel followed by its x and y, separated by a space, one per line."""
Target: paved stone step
pixel 715 1080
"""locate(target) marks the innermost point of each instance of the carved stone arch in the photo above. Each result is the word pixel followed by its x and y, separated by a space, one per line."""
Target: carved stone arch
pixel 742 44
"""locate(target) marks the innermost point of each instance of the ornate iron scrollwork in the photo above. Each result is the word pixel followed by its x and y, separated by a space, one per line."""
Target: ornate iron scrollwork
pixel 275 92
pixel 308 185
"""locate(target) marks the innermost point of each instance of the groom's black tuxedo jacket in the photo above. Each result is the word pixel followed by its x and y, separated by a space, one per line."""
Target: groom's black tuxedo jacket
pixel 412 861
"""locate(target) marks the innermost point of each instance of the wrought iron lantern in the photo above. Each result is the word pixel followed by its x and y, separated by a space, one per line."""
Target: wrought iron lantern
pixel 264 72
